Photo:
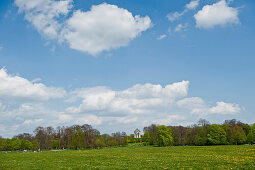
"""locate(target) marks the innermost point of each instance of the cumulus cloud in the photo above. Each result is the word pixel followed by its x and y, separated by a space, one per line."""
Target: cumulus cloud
pixel 216 14
pixel 34 121
pixel 44 14
pixel 89 119
pixel 139 99
pixel 16 87
pixel 170 119
pixel 105 108
pixel 197 106
pixel 127 119
pixel 20 119
pixel 104 27
pixel 225 108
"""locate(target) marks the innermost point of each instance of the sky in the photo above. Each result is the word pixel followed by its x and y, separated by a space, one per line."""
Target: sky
pixel 119 65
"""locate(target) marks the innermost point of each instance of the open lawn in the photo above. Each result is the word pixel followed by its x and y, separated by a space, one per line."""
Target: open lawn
pixel 135 157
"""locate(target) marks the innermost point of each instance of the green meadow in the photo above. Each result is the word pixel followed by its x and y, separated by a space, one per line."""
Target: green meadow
pixel 135 157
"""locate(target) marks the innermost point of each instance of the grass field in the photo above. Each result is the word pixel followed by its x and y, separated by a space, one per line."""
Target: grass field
pixel 188 157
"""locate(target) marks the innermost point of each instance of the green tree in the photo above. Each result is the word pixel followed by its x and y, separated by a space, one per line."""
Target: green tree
pixel 246 129
pixel 152 129
pixel 187 138
pixel 217 136
pixel 25 144
pixel 16 144
pixel 106 138
pixel 99 142
pixel 164 136
pixel 131 138
pixel 199 140
pixel 239 135
pixel 201 136
pixel 54 143
pixel 7 144
pixel 146 138
pixel 1 144
pixel 251 135
pixel 35 145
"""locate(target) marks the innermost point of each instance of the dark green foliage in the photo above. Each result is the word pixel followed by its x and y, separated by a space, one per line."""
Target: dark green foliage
pixel 54 143
pixel 153 134
pixel 201 137
pixel 239 135
pixel 35 145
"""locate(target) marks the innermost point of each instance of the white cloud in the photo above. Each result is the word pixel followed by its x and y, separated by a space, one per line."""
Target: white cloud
pixel 225 108
pixel 30 122
pixel 216 14
pixel 168 120
pixel 43 14
pixel 197 106
pixel 192 5
pixel 1 48
pixel 162 37
pixel 89 119
pixel 102 28
pixel 127 119
pixel 139 99
pixel 176 15
pixel 16 87
pixel 106 109
pixel 64 118
pixel 180 27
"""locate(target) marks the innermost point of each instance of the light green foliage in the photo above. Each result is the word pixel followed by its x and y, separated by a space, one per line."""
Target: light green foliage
pixel 7 144
pixel 112 142
pixel 251 135
pixel 25 144
pixel 100 142
pixel 164 136
pixel 131 138
pixel 147 157
pixel 146 138
pixel 16 144
pixel 217 136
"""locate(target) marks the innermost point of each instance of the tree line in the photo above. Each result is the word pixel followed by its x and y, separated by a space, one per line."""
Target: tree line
pixel 85 137
pixel 231 132
pixel 73 137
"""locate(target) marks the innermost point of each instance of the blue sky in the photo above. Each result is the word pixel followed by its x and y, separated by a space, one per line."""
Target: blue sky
pixel 104 63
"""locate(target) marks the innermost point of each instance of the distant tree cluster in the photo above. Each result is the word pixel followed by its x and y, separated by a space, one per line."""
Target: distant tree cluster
pixel 231 132
pixel 74 137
